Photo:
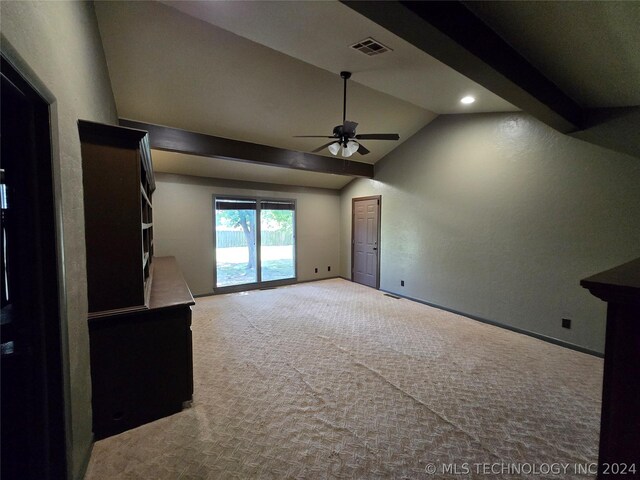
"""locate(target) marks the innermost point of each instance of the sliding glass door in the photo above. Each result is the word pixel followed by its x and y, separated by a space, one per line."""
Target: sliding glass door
pixel 254 241
pixel 277 240
pixel 236 258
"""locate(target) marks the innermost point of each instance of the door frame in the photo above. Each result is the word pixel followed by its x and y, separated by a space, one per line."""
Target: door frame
pixel 48 430
pixel 259 283
pixel 353 228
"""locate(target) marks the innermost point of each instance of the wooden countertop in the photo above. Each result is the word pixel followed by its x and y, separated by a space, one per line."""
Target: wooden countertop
pixel 620 284
pixel 168 288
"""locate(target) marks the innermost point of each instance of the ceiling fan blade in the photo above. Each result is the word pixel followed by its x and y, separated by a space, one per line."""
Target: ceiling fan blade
pixel 362 150
pixel 322 147
pixel 313 136
pixel 349 127
pixel 378 136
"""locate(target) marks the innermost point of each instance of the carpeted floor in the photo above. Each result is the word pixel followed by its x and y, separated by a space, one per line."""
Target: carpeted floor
pixel 335 380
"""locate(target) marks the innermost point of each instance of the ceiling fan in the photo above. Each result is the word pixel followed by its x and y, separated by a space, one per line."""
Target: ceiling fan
pixel 345 135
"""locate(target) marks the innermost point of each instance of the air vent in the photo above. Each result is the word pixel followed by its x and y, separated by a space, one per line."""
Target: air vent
pixel 370 47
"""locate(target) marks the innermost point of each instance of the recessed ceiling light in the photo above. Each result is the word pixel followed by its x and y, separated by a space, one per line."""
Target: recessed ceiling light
pixel 468 99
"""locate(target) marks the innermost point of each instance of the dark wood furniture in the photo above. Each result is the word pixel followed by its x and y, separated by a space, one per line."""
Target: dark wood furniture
pixel 620 421
pixel 141 362
pixel 139 307
pixel 118 183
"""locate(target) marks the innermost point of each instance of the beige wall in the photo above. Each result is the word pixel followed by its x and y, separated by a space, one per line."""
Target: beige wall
pixel 57 44
pixel 499 216
pixel 183 226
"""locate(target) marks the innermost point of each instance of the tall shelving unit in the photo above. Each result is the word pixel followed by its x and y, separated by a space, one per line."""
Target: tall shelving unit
pixel 118 186
pixel 139 305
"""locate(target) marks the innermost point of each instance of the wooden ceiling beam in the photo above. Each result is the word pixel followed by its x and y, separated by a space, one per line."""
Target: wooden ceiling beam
pixel 451 33
pixel 193 143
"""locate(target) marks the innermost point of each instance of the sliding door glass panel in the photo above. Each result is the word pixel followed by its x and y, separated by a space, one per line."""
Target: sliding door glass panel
pixel 277 240
pixel 236 259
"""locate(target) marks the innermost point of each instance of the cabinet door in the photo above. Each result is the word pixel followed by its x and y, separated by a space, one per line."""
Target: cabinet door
pixel 141 368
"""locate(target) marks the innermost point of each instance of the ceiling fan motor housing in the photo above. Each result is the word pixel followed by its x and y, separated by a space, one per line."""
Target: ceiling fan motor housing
pixel 341 135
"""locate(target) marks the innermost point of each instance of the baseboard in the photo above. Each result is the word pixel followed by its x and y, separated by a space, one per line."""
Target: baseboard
pixel 539 336
pixel 319 279
pixel 265 287
pixel 200 295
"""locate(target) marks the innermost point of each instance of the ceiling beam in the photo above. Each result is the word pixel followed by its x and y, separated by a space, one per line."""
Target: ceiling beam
pixel 193 143
pixel 451 33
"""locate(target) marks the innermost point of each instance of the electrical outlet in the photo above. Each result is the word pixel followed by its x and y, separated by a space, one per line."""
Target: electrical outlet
pixel 316 269
pixel 329 268
pixel 566 323
pixel 402 283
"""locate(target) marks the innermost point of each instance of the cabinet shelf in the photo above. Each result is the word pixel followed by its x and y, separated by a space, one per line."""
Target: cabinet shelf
pixel 145 196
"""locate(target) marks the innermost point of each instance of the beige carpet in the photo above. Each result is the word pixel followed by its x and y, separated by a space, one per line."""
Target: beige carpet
pixel 335 380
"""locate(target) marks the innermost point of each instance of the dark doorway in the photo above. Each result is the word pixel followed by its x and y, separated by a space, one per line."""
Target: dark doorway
pixel 32 401
pixel 365 241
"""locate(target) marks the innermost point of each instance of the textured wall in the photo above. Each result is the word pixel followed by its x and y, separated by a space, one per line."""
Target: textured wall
pixel 183 226
pixel 58 44
pixel 499 216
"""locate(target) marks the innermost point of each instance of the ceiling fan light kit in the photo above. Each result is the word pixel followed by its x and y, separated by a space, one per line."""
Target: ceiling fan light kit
pixel 345 135
pixel 351 148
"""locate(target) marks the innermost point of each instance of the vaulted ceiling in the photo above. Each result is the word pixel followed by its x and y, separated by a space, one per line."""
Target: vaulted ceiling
pixel 263 72
pixel 591 50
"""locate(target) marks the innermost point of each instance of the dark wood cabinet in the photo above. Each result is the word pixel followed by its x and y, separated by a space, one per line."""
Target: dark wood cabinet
pixel 620 420
pixel 139 306
pixel 141 362
pixel 118 183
